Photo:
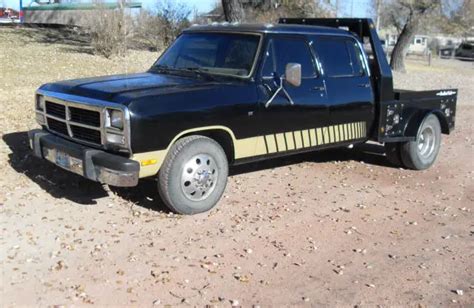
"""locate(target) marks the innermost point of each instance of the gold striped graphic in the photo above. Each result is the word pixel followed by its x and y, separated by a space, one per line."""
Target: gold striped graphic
pixel 262 145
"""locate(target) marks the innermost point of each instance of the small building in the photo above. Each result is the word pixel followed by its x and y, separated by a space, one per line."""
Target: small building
pixel 72 14
pixel 419 44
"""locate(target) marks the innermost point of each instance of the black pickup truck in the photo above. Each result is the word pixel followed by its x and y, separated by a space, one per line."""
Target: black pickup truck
pixel 228 94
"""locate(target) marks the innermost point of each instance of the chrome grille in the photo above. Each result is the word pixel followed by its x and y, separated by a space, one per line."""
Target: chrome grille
pixel 56 110
pixel 80 122
pixel 86 134
pixel 57 126
pixel 85 116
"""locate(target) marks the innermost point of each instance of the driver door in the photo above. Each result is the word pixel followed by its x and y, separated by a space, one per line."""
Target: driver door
pixel 289 120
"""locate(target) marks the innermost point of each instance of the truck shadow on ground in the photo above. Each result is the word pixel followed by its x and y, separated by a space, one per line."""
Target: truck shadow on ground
pixel 60 183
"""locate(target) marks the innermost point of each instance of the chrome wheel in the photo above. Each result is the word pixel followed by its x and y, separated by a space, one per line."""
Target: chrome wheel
pixel 426 142
pixel 198 178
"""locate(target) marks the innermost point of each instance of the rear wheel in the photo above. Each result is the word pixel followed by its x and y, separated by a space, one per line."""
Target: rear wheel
pixel 194 175
pixel 421 153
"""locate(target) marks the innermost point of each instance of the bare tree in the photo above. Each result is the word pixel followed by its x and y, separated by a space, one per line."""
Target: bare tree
pixel 274 9
pixel 157 28
pixel 109 30
pixel 407 16
pixel 233 10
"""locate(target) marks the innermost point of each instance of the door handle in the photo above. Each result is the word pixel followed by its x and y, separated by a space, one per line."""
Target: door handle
pixel 319 88
pixel 363 85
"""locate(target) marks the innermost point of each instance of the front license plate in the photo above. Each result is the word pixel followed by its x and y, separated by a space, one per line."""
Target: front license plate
pixel 62 160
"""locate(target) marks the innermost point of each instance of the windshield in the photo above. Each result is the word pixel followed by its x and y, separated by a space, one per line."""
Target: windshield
pixel 215 53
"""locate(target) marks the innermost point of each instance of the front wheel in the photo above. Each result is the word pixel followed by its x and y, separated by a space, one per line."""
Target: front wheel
pixel 421 153
pixel 193 176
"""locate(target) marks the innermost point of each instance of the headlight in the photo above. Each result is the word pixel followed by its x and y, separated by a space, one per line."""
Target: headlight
pixel 115 118
pixel 40 102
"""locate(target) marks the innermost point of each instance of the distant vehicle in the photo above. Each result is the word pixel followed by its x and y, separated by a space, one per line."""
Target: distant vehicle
pixel 230 94
pixel 447 52
pixel 465 51
pixel 7 13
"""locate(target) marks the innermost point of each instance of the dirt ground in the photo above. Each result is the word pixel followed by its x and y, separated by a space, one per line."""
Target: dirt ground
pixel 323 229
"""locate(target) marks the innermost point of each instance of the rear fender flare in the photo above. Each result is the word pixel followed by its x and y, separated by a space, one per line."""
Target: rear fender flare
pixel 411 129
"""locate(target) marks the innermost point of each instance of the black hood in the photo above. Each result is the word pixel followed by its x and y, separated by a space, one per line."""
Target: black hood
pixel 126 87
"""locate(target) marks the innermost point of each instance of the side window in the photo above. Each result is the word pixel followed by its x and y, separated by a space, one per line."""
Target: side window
pixel 335 57
pixel 269 62
pixel 282 51
pixel 357 59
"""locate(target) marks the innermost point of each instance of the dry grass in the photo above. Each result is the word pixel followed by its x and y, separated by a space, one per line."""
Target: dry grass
pixel 31 57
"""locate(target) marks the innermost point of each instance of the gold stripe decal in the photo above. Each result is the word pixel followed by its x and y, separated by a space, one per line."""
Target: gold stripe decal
pixel 262 145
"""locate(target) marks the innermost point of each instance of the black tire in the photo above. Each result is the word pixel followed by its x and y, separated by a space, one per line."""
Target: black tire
pixel 392 152
pixel 206 174
pixel 421 153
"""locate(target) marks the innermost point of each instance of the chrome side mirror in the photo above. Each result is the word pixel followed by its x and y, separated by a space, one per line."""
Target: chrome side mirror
pixel 293 74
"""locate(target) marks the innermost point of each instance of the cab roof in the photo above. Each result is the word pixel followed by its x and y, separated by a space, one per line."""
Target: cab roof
pixel 267 28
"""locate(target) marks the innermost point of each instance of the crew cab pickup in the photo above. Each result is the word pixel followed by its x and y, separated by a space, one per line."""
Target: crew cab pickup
pixel 229 94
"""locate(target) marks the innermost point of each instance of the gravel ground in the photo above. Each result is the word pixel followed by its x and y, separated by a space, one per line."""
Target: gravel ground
pixel 332 228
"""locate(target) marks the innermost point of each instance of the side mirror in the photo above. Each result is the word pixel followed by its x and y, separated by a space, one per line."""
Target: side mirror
pixel 293 74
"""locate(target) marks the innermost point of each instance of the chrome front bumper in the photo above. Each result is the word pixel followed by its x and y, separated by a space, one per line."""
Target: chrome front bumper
pixel 90 163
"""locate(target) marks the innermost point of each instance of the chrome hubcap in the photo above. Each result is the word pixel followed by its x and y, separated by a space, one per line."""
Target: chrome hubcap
pixel 426 142
pixel 199 176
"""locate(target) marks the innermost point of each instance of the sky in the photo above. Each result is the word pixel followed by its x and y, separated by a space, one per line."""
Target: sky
pixel 356 8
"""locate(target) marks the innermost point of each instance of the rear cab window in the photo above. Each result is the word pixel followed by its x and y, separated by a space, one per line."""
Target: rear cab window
pixel 340 57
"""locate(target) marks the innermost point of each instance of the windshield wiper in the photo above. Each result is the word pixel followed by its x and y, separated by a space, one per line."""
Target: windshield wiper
pixel 162 68
pixel 200 71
